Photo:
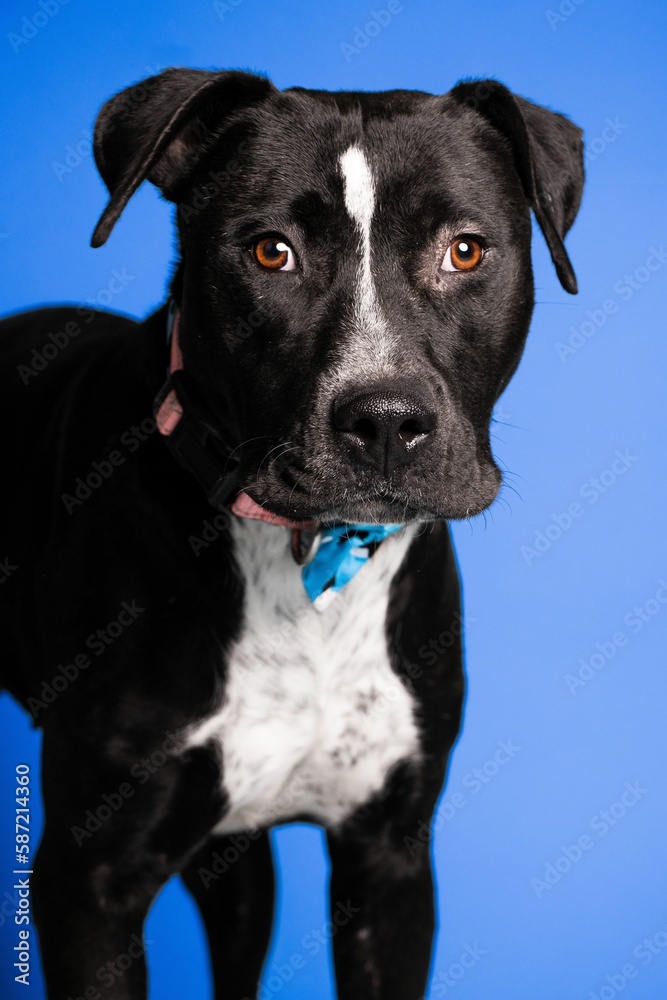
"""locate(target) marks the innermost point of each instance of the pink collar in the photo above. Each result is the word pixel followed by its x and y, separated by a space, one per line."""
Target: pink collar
pixel 170 410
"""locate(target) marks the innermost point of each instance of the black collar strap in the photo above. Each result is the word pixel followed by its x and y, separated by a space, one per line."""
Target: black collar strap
pixel 180 414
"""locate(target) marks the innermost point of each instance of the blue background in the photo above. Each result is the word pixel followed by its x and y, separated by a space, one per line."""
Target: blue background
pixel 531 618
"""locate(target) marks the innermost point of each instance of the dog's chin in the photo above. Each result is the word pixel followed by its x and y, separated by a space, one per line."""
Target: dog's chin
pixel 368 512
pixel 377 509
pixel 400 512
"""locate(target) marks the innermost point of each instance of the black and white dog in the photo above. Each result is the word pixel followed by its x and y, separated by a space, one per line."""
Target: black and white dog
pixel 353 293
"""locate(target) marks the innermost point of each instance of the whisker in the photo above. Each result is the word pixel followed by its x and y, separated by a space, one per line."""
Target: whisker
pixel 285 445
pixel 244 443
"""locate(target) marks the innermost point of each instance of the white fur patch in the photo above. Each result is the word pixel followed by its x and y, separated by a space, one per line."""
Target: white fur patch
pixel 371 352
pixel 359 188
pixel 312 716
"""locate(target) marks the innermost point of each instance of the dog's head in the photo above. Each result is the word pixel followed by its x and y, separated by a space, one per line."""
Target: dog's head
pixel 355 278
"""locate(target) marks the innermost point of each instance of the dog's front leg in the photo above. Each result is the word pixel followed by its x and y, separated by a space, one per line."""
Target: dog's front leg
pixel 89 947
pixel 231 880
pixel 112 839
pixel 382 914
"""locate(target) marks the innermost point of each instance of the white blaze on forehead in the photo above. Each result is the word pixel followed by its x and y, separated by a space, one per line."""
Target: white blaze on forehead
pixel 359 189
pixel 359 193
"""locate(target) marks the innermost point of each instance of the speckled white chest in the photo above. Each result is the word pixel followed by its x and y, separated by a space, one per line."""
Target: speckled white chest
pixel 312 717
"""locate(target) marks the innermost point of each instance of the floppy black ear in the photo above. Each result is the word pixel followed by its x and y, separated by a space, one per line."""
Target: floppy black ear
pixel 159 129
pixel 548 154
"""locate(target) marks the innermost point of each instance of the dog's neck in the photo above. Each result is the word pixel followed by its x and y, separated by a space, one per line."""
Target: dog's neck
pixel 330 555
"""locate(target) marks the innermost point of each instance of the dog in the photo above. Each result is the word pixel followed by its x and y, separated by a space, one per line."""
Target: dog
pixel 229 521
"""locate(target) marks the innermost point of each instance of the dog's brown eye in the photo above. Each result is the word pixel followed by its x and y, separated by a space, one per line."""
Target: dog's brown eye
pixel 274 254
pixel 463 255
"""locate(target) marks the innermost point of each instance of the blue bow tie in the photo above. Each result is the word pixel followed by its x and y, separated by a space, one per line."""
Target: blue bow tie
pixel 343 550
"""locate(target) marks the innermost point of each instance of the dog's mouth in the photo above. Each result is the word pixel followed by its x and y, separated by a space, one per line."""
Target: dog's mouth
pixel 244 506
pixel 382 508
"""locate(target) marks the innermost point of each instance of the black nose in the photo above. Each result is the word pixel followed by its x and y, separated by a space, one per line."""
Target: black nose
pixel 384 426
